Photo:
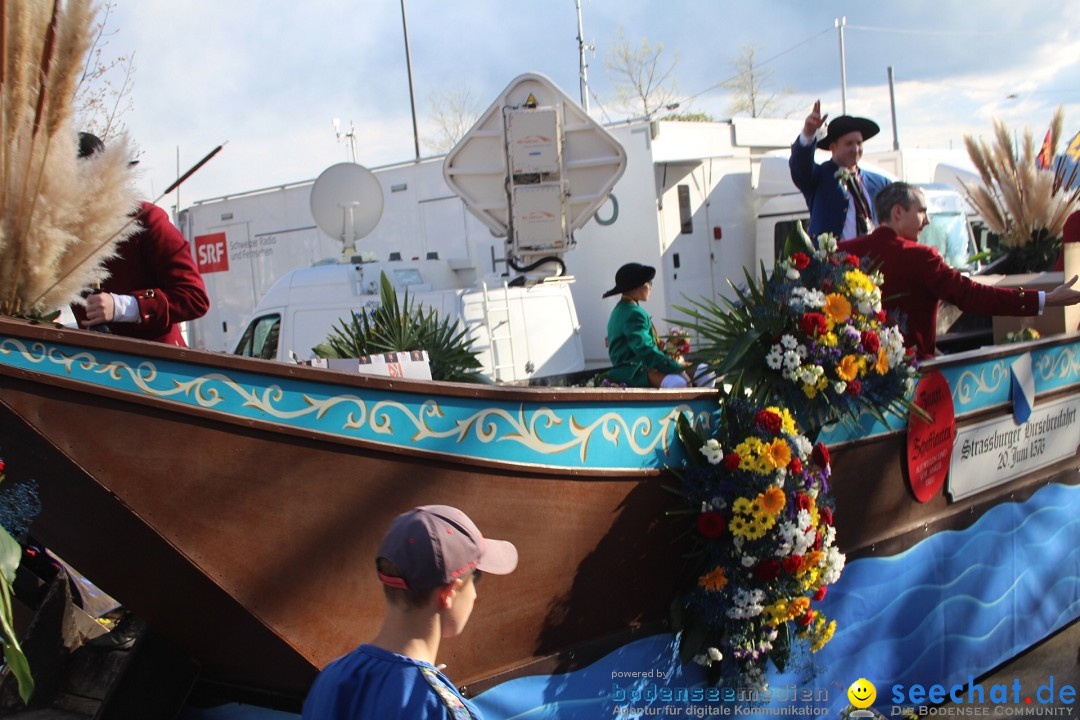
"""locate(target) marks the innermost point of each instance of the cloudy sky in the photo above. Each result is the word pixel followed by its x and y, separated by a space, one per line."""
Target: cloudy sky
pixel 269 76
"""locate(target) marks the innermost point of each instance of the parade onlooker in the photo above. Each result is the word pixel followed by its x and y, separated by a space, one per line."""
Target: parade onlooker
pixel 429 562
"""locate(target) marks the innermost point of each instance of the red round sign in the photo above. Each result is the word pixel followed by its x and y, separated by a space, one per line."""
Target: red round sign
pixel 929 444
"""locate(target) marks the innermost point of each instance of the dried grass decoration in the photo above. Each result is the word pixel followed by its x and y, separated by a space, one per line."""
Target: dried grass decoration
pixel 60 218
pixel 1025 205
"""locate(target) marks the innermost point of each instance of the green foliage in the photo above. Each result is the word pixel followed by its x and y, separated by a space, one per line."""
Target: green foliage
pixel 400 327
pixel 10 555
pixel 797 241
pixel 1038 255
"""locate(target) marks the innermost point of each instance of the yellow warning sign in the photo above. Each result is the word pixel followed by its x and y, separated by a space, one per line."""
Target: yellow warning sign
pixel 531 101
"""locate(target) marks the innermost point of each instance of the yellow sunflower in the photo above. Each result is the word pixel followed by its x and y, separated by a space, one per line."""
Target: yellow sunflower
pixel 773 500
pixel 837 308
pixel 848 367
pixel 882 364
pixel 778 454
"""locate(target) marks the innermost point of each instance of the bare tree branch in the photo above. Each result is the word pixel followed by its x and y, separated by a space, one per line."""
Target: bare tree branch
pixel 748 88
pixel 452 112
pixel 647 83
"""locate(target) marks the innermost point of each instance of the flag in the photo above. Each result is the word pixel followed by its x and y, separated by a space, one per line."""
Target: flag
pixel 1046 154
pixel 1023 388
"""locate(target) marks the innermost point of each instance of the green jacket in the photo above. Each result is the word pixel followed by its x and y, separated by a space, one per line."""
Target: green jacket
pixel 633 348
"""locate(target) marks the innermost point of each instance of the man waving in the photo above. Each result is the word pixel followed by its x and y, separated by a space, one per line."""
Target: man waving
pixel 838 193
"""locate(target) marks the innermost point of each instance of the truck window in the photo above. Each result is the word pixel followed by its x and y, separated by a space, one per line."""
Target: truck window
pixel 260 340
pixel 951 236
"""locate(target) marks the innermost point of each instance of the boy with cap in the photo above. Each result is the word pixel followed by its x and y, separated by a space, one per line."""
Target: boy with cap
pixel 429 563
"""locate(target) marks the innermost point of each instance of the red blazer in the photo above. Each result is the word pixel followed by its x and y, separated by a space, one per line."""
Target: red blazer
pixel 916 278
pixel 155 265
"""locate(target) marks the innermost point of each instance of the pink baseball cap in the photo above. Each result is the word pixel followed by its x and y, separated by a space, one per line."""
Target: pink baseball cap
pixel 434 544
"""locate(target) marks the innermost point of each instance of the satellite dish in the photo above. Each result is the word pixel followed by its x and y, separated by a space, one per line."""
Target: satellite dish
pixel 347 202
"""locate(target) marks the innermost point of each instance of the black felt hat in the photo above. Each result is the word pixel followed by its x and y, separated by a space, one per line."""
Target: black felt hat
pixel 842 125
pixel 89 144
pixel 630 276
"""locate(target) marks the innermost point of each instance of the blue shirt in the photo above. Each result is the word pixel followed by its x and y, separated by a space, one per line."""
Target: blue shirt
pixel 374 684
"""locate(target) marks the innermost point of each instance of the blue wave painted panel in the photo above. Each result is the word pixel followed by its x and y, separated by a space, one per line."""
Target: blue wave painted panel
pixel 956 605
pixel 619 436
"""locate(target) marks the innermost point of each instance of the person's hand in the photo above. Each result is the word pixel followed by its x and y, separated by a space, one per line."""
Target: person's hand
pixel 100 308
pixel 814 120
pixel 1063 294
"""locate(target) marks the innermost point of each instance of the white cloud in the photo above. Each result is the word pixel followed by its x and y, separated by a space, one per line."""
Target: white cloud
pixel 269 76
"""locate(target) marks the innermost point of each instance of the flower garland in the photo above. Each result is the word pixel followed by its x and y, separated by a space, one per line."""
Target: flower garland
pixel 811 335
pixel 758 492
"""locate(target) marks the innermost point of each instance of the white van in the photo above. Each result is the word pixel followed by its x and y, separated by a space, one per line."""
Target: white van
pixel 520 333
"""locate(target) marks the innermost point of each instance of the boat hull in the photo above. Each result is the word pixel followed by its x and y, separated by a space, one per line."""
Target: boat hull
pixel 249 542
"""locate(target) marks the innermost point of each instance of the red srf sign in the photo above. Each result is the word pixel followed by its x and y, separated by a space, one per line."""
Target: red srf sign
pixel 211 253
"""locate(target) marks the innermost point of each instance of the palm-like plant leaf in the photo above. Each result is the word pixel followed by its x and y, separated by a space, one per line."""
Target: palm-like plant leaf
pixel 401 326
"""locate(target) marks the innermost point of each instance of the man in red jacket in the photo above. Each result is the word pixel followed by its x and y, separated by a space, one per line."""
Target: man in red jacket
pixel 916 278
pixel 153 284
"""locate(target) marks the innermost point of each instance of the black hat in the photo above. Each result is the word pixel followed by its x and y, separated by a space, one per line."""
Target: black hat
pixel 842 125
pixel 630 276
pixel 89 145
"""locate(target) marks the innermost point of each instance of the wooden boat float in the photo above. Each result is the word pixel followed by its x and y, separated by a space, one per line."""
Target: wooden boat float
pixel 235 504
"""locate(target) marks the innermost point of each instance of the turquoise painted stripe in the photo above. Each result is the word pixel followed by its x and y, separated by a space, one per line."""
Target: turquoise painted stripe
pixel 980 384
pixel 595 436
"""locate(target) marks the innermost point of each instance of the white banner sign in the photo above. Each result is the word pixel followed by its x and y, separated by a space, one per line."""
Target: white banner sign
pixel 996 451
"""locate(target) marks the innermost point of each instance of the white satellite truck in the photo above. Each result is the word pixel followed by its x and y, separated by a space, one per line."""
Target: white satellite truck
pixel 700 201
pixel 534 169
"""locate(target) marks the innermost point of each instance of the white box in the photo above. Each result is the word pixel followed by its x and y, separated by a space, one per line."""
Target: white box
pixel 539 217
pixel 412 365
pixel 533 141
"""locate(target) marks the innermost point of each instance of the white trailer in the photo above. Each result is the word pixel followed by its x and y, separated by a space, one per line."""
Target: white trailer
pixel 700 201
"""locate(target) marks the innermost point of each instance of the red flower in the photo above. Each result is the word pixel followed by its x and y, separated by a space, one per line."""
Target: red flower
pixel 808 619
pixel 854 387
pixel 768 420
pixel 820 456
pixel 767 570
pixel 813 324
pixel 881 315
pixel 1 467
pixel 826 515
pixel 826 286
pixel 817 541
pixel 800 260
pixel 795 466
pixel 852 260
pixel 711 524
pixel 870 341
pixel 792 563
pixel 820 594
pixel 803 501
pixel 731 461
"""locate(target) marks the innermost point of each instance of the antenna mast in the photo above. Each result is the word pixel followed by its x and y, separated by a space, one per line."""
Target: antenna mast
pixel 583 66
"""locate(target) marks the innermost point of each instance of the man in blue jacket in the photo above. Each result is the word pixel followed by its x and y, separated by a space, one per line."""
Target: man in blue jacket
pixel 839 195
